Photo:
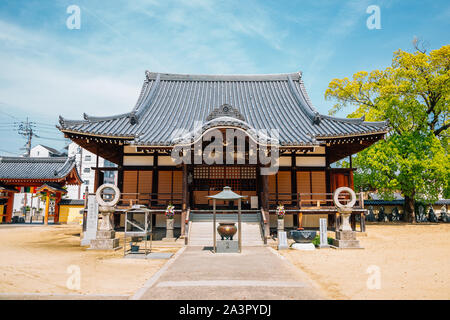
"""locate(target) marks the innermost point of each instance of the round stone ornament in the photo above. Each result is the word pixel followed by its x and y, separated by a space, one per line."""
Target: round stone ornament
pixel 337 193
pixel 107 195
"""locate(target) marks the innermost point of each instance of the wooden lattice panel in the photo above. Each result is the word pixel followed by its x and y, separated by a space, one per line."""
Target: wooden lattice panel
pixel 129 183
pixel 177 187
pixel 284 186
pixel 304 183
pixel 318 184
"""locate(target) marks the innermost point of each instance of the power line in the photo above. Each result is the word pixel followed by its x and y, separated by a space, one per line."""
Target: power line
pixel 48 138
pixel 8 152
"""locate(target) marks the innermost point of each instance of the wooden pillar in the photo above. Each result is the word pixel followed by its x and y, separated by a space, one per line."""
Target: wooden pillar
pixel 294 194
pixel 47 207
pixel 353 221
pixel 350 180
pixel 120 172
pixel 9 207
pixel 97 173
pixel 155 179
pixel 214 226
pixel 363 222
pixel 265 202
pixel 57 200
pixel 265 192
pixel 185 200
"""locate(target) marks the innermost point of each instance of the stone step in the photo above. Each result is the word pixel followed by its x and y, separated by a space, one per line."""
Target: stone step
pixel 201 233
pixel 250 217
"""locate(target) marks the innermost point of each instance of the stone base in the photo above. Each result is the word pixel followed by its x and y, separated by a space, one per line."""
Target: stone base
pixel 169 239
pixel 345 235
pixel 346 244
pixel 324 246
pixel 303 246
pixel 227 246
pixel 346 239
pixel 104 244
pixel 109 234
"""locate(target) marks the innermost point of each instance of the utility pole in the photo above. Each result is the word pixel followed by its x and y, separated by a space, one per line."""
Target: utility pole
pixel 25 128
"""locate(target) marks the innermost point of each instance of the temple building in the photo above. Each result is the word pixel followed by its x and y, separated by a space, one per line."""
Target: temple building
pixel 44 177
pixel 276 117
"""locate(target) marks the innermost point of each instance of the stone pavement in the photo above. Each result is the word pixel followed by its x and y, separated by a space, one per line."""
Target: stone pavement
pixel 257 273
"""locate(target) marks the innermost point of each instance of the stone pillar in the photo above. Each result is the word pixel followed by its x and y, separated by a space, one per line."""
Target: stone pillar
pixel 280 225
pixel 169 230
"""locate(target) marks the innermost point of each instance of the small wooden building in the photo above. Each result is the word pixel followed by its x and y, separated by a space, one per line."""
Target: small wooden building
pixel 47 176
pixel 171 106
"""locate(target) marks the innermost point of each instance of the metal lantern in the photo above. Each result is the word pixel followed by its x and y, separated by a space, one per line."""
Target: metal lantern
pixel 227 194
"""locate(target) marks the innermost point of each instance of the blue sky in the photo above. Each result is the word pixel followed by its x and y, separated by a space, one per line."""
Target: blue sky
pixel 48 70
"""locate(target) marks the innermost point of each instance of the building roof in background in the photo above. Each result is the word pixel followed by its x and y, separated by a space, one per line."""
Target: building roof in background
pixel 43 169
pixel 170 102
pixel 51 150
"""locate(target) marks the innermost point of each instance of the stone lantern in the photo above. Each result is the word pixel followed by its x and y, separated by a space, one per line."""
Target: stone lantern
pixel 345 236
pixel 107 196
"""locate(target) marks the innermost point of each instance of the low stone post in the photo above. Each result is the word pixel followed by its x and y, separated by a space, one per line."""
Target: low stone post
pixel 169 228
pixel 170 218
pixel 280 225
pixel 323 234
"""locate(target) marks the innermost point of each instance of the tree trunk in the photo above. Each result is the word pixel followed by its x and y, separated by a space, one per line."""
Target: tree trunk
pixel 409 209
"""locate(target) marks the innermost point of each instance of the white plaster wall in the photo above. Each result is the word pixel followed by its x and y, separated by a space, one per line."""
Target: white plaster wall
pixel 310 161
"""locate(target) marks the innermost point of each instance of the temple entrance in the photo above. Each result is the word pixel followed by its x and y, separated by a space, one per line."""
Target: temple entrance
pixel 211 179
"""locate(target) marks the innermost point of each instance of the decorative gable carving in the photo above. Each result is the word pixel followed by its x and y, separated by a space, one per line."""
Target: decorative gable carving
pixel 225 110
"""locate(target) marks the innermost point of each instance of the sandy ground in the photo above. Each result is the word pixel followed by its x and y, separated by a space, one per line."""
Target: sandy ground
pixel 41 259
pixel 413 263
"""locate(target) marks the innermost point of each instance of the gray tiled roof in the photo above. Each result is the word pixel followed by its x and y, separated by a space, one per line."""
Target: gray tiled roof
pixel 73 202
pixel 35 168
pixel 168 102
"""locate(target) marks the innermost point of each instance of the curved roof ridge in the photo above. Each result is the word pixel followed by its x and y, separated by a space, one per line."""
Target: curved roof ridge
pixel 305 95
pixel 148 99
pixel 302 102
pixel 34 159
pixel 222 77
pixel 106 118
pixel 66 122
pixel 359 121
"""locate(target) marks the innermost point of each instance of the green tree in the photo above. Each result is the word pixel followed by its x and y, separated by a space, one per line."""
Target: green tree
pixel 414 95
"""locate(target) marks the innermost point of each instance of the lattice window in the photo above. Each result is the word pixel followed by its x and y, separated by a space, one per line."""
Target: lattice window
pixel 239 178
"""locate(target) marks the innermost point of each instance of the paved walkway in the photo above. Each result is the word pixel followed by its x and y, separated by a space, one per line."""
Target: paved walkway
pixel 257 273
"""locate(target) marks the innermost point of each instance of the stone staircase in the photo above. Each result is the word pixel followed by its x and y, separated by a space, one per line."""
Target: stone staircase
pixel 201 229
